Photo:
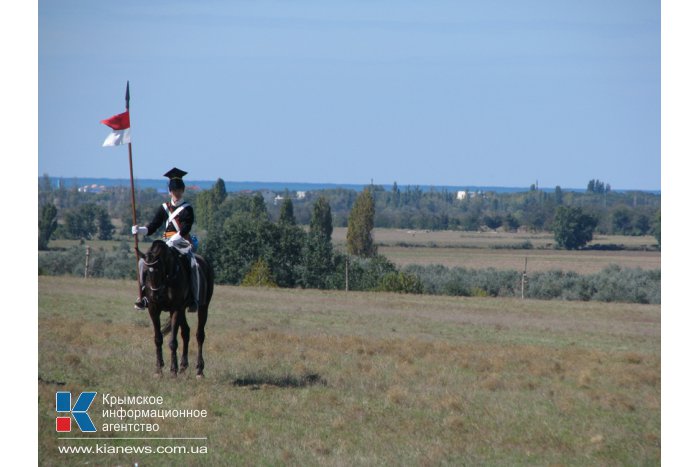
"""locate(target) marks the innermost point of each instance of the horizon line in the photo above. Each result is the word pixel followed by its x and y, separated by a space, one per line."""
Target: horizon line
pixel 262 182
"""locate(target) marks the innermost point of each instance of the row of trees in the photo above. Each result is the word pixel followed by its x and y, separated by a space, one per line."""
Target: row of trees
pixel 412 208
pixel 90 215
pixel 247 246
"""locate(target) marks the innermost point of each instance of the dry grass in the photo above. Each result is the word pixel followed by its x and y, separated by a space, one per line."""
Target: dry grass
pixel 489 250
pixel 406 379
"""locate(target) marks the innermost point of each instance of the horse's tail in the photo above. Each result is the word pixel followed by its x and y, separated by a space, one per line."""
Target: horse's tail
pixel 166 328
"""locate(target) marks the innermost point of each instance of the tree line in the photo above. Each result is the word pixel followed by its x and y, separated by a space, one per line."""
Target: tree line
pixel 76 215
pixel 250 245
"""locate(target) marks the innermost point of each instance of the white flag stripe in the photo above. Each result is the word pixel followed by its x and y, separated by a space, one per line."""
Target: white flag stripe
pixel 118 137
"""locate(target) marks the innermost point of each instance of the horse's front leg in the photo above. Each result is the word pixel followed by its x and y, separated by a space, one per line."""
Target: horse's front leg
pixel 174 324
pixel 157 339
pixel 201 322
pixel 185 333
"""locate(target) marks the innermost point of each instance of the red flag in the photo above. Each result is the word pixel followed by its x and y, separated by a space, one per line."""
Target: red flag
pixel 120 124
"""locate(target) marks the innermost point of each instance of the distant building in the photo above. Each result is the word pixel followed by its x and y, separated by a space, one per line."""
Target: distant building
pixel 278 198
pixel 301 194
pixel 461 195
pixel 94 188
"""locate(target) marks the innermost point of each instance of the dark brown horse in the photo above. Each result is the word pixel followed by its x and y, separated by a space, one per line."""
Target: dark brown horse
pixel 167 288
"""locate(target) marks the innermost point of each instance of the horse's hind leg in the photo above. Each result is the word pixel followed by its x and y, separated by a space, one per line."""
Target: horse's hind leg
pixel 158 340
pixel 175 322
pixel 201 321
pixel 185 333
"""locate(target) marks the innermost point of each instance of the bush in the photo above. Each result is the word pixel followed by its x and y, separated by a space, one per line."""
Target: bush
pixel 400 282
pixel 440 280
pixel 117 264
pixel 613 284
pixel 558 284
pixel 259 275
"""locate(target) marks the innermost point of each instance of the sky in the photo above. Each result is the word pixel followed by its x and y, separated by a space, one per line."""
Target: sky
pixel 459 93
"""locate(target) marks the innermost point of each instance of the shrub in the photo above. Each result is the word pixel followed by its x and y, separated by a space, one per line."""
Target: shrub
pixel 615 284
pixel 259 275
pixel 612 284
pixel 400 282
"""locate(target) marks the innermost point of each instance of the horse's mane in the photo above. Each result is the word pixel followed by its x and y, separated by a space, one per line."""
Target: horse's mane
pixel 158 249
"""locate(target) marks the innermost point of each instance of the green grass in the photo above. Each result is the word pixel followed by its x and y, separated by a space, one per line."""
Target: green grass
pixel 398 379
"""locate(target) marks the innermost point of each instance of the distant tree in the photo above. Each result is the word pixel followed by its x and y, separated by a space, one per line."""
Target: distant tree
pixel 572 228
pixel 512 223
pixel 642 225
pixel 257 207
pixel 493 222
pixel 287 213
pixel 47 225
pixel 656 227
pixel 105 228
pixel 395 195
pixel 127 218
pixel 286 253
pixel 317 257
pixel 321 219
pixel 208 206
pixel 218 191
pixel 622 221
pixel 596 186
pixel 80 221
pixel 558 196
pixel 45 190
pixel 360 225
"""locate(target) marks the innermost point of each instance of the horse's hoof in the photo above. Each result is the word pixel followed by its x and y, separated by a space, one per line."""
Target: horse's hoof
pixel 158 374
pixel 173 374
pixel 200 376
pixel 183 369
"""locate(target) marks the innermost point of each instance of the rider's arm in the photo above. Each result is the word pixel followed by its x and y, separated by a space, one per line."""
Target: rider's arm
pixel 159 218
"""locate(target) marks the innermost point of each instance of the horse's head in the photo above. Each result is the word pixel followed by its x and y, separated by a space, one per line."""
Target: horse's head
pixel 159 262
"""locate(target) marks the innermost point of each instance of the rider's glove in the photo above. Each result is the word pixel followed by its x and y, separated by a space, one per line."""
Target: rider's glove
pixel 135 229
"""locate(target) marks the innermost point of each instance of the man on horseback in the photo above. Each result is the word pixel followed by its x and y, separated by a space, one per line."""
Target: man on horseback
pixel 178 216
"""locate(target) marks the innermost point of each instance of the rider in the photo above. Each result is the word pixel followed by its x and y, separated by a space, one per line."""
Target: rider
pixel 178 216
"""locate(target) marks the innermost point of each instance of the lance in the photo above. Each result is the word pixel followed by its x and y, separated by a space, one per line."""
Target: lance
pixel 133 203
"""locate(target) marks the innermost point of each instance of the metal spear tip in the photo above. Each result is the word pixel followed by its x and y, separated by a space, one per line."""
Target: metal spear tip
pixel 127 95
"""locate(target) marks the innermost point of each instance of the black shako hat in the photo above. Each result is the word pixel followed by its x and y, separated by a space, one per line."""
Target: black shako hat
pixel 175 175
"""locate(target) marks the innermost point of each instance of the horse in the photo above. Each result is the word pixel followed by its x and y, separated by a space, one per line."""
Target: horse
pixel 167 288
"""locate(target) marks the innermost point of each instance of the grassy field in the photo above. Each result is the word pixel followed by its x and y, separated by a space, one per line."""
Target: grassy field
pixel 312 377
pixel 502 250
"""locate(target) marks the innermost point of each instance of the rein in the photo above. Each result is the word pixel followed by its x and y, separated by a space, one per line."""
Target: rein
pixel 169 277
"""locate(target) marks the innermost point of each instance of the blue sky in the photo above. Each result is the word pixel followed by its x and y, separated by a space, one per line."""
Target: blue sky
pixel 502 93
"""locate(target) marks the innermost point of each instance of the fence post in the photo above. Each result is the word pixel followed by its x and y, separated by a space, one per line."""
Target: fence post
pixel 523 281
pixel 347 276
pixel 87 260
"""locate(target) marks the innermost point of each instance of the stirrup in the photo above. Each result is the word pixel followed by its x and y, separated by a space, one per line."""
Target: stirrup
pixel 141 303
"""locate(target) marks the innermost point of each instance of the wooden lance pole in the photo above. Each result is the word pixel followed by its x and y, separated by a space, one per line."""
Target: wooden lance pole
pixel 133 202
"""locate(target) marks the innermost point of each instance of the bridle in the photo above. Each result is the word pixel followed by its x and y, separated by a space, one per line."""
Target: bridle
pixel 169 276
